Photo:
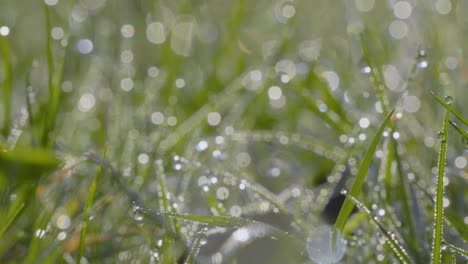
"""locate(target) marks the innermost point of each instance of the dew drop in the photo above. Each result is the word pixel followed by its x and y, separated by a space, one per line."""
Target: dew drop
pixel 137 215
pixel 422 59
pixel 440 135
pixel 320 246
pixel 448 99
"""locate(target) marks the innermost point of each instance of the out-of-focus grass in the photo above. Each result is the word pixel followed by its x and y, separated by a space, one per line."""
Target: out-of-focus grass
pixel 232 128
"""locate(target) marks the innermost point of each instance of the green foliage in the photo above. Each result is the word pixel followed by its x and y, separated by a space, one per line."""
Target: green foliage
pixel 230 130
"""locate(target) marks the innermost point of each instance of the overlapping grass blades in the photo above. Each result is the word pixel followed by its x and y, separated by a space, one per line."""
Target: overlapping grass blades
pixel 89 203
pixel 398 250
pixel 437 238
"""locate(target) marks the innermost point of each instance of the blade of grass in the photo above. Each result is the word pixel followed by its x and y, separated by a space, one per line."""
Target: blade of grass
pixel 221 221
pixel 89 203
pixel 461 131
pixel 165 203
pixel 360 177
pixel 456 249
pixel 6 58
pixel 407 212
pixel 396 247
pixel 379 81
pixel 439 196
pixel 450 108
pixel 196 244
pixel 13 212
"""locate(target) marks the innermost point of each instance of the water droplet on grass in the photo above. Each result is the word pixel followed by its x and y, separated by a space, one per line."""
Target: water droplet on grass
pixel 422 59
pixel 320 246
pixel 440 135
pixel 137 215
pixel 448 99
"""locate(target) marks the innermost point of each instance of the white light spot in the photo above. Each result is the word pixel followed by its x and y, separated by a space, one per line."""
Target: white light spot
pixel 84 46
pixel 332 79
pixel 364 122
pixel 451 63
pixel 51 2
pixel 288 11
pixel 412 104
pixel 172 120
pixel 392 78
pixel 127 31
pixel 274 92
pixel 153 71
pixel 364 5
pixel 235 211
pixel 396 135
pixel 63 221
pixel 445 202
pixel 222 193
pixel 157 118
pixel 180 83
pixel 243 159
pixel 443 6
pixel 402 9
pixel 255 75
pixel 57 33
pixel 156 33
pixel 213 118
pixel 398 29
pixel 4 31
pixel 126 84
pixel 320 246
pixel 126 56
pixel 143 158
pixel 460 162
pixel 202 145
pixel 61 236
pixel 241 234
pixel 86 102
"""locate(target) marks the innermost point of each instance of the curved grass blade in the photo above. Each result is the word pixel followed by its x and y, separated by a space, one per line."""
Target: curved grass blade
pixel 456 249
pixel 391 237
pixel 13 212
pixel 196 244
pixel 221 221
pixel 89 203
pixel 439 208
pixel 461 131
pixel 6 58
pixel 360 177
pixel 450 109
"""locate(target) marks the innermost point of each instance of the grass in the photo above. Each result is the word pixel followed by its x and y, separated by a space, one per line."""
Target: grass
pixel 225 131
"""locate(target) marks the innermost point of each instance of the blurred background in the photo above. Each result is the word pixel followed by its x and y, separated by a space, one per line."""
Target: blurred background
pixel 255 109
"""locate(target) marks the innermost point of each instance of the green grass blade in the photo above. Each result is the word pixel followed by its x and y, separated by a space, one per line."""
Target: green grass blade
pixel 396 247
pixel 89 203
pixel 439 208
pixel 196 244
pixel 456 249
pixel 461 131
pixel 13 212
pixel 165 203
pixel 450 108
pixel 6 58
pixel 379 81
pixel 220 221
pixel 360 177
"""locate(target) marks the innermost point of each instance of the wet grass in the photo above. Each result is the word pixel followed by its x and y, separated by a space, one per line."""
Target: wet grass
pixel 232 132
